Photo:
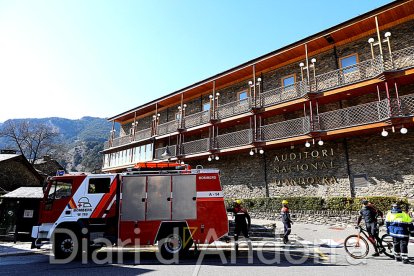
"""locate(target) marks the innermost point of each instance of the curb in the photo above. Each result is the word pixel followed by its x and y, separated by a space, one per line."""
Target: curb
pixel 18 253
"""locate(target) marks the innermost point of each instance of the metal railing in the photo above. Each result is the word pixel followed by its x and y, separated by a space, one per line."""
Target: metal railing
pixel 233 108
pixel 197 119
pixel 168 127
pixel 196 146
pixel 234 139
pixel 159 152
pixel 351 74
pixel 405 106
pixel 143 134
pixel 400 59
pixel 120 141
pixel 106 145
pixel 285 129
pixel 283 94
pixel 354 116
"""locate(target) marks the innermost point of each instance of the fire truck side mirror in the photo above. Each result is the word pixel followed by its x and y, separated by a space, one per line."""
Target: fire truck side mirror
pixel 194 198
pixel 143 199
pixel 168 198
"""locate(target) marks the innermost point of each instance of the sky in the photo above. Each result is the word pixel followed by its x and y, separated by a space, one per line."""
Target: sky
pixel 75 58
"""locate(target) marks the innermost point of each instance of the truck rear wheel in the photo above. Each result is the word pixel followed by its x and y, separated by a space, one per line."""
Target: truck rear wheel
pixel 170 245
pixel 174 244
pixel 64 246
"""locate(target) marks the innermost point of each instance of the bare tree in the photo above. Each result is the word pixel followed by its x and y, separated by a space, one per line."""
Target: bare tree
pixel 32 139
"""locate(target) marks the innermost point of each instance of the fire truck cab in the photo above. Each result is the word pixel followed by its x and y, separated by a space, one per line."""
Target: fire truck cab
pixel 155 202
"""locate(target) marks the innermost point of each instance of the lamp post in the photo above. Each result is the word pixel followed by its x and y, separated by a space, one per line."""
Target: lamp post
pixel 155 120
pixel 259 81
pixel 302 67
pixel 313 60
pixel 372 43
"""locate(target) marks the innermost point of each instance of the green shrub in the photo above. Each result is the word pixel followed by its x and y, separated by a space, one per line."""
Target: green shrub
pixel 274 204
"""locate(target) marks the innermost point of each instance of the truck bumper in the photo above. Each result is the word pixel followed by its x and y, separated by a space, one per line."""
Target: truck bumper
pixel 41 231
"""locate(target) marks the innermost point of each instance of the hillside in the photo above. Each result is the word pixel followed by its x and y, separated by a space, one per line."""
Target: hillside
pixel 80 141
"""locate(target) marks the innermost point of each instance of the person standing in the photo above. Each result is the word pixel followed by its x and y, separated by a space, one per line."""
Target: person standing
pixel 287 222
pixel 370 215
pixel 241 219
pixel 399 227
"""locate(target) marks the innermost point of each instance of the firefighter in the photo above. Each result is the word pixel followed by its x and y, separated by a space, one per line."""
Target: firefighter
pixel 241 219
pixel 399 226
pixel 287 222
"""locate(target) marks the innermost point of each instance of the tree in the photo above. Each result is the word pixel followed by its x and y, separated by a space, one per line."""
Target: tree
pixel 32 139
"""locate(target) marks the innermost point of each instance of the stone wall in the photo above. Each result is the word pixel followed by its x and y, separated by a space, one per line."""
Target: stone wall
pixel 323 170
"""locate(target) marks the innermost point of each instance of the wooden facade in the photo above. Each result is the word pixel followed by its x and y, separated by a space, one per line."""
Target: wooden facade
pixel 326 101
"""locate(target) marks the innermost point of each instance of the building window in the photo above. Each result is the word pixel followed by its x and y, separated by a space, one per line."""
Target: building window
pixel 206 106
pixel 349 61
pixel 288 82
pixel 242 95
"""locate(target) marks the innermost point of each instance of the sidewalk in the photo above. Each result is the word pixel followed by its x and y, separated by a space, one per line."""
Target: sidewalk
pixel 19 248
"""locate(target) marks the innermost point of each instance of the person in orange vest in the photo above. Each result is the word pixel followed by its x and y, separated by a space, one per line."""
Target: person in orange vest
pixel 287 222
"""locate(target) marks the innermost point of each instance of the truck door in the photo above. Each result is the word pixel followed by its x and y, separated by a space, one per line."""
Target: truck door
pixel 184 197
pixel 159 197
pixel 57 197
pixel 133 198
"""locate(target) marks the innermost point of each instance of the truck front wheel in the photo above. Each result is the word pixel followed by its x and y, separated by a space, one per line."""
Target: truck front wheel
pixel 65 246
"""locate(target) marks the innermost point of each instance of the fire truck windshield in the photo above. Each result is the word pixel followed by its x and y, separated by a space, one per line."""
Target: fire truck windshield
pixel 60 189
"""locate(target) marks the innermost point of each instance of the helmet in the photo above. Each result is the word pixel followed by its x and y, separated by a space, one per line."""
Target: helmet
pixel 237 201
pixel 365 202
pixel 285 201
pixel 396 206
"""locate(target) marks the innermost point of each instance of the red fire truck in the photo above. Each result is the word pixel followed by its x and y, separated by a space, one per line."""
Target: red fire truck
pixel 154 202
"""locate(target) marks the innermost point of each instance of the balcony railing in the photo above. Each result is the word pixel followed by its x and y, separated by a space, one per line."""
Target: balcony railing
pixel 286 129
pixel 120 141
pixel 196 146
pixel 354 116
pixel 365 70
pixel 407 105
pixel 197 119
pixel 234 139
pixel 168 127
pixel 400 59
pixel 159 152
pixel 351 74
pixel 233 108
pixel 143 134
pixel 283 94
pixel 359 115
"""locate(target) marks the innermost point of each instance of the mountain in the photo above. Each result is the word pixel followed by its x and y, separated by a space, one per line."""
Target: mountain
pixel 80 141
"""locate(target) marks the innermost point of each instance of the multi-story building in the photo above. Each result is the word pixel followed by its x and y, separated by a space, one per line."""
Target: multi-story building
pixel 329 115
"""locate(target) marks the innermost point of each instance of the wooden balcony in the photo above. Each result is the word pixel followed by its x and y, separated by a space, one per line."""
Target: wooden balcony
pixel 320 86
pixel 351 120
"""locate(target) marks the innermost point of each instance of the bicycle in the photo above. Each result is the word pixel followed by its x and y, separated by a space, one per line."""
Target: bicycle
pixel 357 246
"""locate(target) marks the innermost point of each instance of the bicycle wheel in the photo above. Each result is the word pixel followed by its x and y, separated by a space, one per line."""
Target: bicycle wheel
pixel 356 247
pixel 388 245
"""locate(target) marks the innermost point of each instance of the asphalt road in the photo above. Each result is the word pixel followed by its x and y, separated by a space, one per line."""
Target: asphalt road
pixel 318 252
pixel 283 261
